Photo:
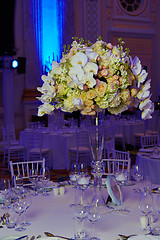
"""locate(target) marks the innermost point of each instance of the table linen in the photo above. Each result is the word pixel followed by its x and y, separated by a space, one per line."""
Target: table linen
pixel 53 214
pixel 149 163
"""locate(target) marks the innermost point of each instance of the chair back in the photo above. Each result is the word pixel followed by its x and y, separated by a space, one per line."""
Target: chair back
pixel 149 141
pixel 21 170
pixel 9 137
pixel 121 154
pixel 109 147
pixel 114 165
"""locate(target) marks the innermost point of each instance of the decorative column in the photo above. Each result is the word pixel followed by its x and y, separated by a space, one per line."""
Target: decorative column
pixel 8 91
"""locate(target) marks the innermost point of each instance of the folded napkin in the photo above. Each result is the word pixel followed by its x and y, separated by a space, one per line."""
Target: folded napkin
pixel 144 237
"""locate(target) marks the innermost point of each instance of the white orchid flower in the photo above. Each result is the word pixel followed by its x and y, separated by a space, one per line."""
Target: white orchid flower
pixel 47 79
pixel 46 98
pixel 47 88
pixel 143 94
pixel 79 59
pixel 146 114
pixel 76 73
pixel 91 68
pixel 142 77
pixel 77 102
pixel 147 85
pixel 146 104
pixel 92 55
pixel 89 80
pixel 45 108
pixel 136 66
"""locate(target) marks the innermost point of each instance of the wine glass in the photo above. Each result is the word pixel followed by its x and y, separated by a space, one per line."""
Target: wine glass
pixel 93 216
pixel 138 177
pixel 73 176
pixel 146 205
pixel 80 212
pixel 121 177
pixel 156 225
pixel 44 178
pixel 33 177
pixel 28 203
pixel 19 208
pixel 4 189
pixel 83 183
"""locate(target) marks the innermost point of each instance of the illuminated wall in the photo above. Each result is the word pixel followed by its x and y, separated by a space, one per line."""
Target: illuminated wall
pixel 50 31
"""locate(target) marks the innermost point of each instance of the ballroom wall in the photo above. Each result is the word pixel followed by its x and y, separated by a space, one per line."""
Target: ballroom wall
pixel 139 28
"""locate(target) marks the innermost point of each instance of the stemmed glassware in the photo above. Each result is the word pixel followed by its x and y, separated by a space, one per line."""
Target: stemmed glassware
pixel 138 177
pixel 19 208
pixel 146 206
pixel 122 177
pixel 81 208
pixel 73 176
pixel 4 188
pixel 33 177
pixel 44 178
pixel 80 212
pixel 83 183
pixel 93 216
pixel 28 203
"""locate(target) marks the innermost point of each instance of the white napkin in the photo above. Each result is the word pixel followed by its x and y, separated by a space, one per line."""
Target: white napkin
pixel 144 237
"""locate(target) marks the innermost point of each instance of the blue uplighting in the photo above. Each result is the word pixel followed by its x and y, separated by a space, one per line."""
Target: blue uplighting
pixel 50 32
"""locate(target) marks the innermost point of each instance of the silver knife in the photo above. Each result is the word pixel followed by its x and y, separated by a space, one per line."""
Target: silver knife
pixel 22 237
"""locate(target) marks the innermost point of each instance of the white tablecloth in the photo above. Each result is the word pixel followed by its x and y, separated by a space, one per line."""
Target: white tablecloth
pixel 53 214
pixel 59 143
pixel 150 167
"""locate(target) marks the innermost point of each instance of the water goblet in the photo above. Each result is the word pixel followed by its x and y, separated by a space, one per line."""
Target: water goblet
pixel 44 178
pixel 19 208
pixel 121 177
pixel 80 212
pixel 73 176
pixel 83 183
pixel 4 189
pixel 146 206
pixel 28 203
pixel 138 177
pixel 33 177
pixel 93 217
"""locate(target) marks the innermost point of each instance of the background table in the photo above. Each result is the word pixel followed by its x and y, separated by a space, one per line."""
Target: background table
pixel 59 143
pixel 150 167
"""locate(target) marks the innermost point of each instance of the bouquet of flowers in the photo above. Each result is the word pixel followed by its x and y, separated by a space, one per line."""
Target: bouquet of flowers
pixel 96 76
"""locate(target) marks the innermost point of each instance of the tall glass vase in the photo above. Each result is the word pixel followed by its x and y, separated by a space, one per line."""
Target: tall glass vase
pixel 96 136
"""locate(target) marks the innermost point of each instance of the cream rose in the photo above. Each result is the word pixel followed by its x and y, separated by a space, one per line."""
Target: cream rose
pixel 91 94
pixel 101 88
pixel 125 95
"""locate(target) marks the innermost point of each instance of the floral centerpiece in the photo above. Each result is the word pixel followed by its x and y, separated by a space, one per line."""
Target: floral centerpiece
pixel 99 75
pixel 89 78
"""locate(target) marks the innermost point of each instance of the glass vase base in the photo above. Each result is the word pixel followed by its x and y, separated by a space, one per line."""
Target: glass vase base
pixel 94 238
pixel 20 229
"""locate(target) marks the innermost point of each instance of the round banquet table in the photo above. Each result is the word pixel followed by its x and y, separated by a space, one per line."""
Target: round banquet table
pixel 149 164
pixel 53 214
pixel 59 143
